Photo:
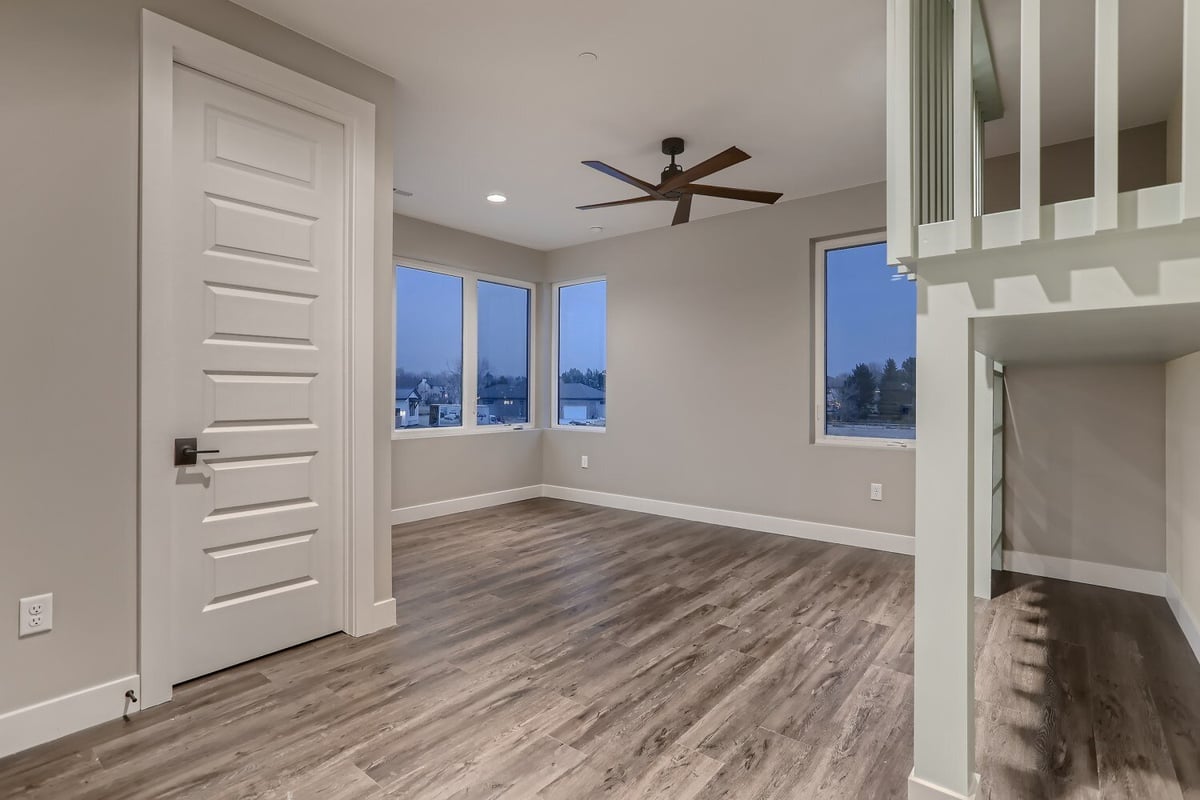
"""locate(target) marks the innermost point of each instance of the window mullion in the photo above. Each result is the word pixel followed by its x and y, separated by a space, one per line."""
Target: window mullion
pixel 470 373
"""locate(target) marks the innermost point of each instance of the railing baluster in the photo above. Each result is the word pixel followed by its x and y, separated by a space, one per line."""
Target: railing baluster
pixel 964 123
pixel 900 131
pixel 1190 138
pixel 1106 131
pixel 1031 119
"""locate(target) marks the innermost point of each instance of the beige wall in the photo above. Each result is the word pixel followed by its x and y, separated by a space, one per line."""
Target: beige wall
pixel 1085 463
pixel 709 352
pixel 68 318
pixel 1068 169
pixel 429 469
pixel 1183 479
pixel 1174 157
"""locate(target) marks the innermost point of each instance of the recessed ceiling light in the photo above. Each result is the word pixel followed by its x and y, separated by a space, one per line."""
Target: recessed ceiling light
pixel 588 55
pixel 596 229
pixel 496 197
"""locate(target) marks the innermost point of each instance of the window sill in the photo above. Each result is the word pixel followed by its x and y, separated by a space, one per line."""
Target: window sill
pixel 579 428
pixel 437 433
pixel 866 444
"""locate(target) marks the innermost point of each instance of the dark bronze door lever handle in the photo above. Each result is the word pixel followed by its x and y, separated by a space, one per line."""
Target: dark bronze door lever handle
pixel 186 452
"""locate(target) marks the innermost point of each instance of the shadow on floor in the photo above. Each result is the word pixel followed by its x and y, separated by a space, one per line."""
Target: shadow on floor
pixel 1083 691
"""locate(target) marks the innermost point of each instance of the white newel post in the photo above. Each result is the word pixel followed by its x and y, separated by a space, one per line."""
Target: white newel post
pixel 944 680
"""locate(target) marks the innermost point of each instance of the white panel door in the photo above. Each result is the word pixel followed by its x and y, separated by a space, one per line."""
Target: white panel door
pixel 258 276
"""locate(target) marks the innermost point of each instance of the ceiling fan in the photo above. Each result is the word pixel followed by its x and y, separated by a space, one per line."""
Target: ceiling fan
pixel 676 184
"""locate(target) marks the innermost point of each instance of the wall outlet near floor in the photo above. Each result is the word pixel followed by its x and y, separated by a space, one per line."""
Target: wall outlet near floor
pixel 583 462
pixel 876 491
pixel 37 615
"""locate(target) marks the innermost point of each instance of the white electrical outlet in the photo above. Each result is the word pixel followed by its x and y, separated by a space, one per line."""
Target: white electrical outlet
pixel 876 491
pixel 37 615
pixel 583 462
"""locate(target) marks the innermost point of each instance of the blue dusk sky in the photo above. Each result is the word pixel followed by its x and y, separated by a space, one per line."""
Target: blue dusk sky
pixel 870 315
pixel 504 328
pixel 429 324
pixel 581 340
pixel 428 320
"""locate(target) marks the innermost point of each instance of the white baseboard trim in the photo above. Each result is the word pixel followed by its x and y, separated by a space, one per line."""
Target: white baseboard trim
pixel 46 721
pixel 1130 579
pixel 799 529
pixel 1184 616
pixel 924 790
pixel 384 614
pixel 472 503
pixel 784 526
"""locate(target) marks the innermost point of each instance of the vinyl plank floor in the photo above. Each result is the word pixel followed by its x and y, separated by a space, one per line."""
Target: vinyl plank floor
pixel 548 650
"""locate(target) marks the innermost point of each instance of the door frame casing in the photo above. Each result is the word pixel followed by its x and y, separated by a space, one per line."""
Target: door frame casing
pixel 164 44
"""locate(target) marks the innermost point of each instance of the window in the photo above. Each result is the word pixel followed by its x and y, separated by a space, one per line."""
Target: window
pixel 580 352
pixel 462 350
pixel 429 349
pixel 503 354
pixel 866 326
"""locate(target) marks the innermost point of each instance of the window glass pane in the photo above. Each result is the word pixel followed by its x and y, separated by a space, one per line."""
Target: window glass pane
pixel 581 354
pixel 870 346
pixel 429 349
pixel 503 354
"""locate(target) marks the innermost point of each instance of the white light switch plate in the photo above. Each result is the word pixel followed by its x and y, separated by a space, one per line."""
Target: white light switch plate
pixel 583 462
pixel 37 615
pixel 876 491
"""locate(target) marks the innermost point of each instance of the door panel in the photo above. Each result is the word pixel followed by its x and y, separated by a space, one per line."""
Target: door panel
pixel 258 285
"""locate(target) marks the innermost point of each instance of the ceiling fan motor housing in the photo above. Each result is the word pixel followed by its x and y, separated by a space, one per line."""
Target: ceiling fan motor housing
pixel 672 146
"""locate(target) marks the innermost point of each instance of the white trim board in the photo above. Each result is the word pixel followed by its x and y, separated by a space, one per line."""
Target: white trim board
pixel 459 504
pixel 920 789
pixel 384 614
pixel 1129 579
pixel 784 526
pixel 50 719
pixel 1183 615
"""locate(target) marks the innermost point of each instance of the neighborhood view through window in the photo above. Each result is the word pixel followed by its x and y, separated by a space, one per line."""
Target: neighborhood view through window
pixel 870 346
pixel 429 349
pixel 582 357
pixel 503 385
pixel 447 322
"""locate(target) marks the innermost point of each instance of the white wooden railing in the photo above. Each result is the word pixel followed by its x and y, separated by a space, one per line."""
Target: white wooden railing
pixel 941 89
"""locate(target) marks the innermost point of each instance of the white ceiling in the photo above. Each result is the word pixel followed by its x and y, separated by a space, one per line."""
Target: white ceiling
pixel 493 97
pixel 1122 335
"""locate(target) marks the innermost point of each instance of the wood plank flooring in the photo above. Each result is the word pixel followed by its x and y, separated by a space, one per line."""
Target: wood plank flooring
pixel 550 650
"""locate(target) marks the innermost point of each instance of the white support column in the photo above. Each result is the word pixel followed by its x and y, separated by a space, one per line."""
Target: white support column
pixel 1031 120
pixel 1190 138
pixel 984 435
pixel 899 131
pixel 964 124
pixel 944 678
pixel 1106 131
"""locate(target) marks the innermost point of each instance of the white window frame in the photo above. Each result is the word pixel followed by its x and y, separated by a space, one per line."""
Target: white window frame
pixel 470 351
pixel 821 248
pixel 554 366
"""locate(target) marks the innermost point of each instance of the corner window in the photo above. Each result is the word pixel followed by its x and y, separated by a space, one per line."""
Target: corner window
pixel 462 351
pixel 866 329
pixel 580 311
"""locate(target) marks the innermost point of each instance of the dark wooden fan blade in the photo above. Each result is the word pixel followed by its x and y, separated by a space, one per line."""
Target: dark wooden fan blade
pixel 683 209
pixel 718 162
pixel 753 195
pixel 646 199
pixel 613 172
